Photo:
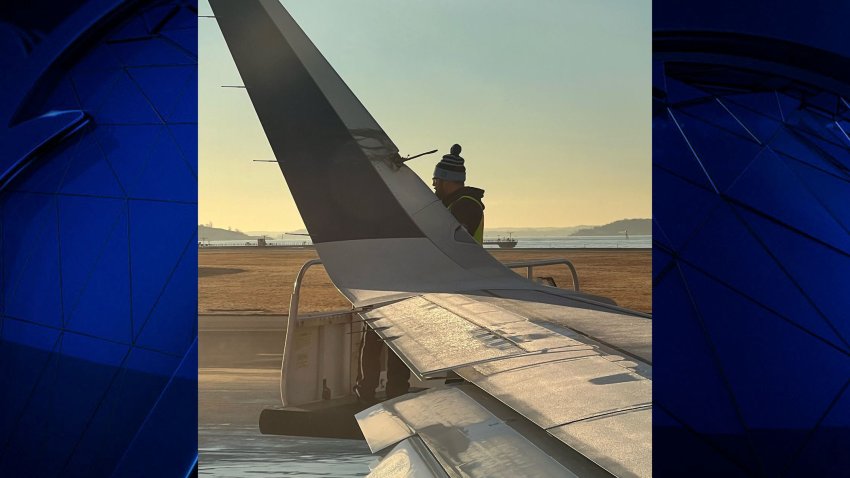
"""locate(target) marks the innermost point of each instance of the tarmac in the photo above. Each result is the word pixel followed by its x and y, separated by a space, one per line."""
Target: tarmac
pixel 238 376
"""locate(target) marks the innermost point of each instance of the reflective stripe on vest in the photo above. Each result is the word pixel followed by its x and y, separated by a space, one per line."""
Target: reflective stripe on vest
pixel 479 231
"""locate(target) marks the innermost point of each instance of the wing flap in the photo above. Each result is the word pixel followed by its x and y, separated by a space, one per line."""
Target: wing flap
pixel 382 428
pixel 409 459
pixel 627 333
pixel 556 388
pixel 562 380
pixel 432 339
pixel 628 457
pixel 464 437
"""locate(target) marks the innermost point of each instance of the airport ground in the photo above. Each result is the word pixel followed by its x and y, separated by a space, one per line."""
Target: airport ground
pixel 243 297
pixel 259 280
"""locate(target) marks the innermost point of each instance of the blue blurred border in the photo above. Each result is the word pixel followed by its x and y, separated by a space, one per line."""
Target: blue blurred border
pixel 98 213
pixel 751 259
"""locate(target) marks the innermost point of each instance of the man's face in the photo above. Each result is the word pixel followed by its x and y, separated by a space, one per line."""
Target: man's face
pixel 444 189
pixel 439 187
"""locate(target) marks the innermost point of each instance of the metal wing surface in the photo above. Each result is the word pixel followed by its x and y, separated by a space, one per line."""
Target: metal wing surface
pixel 560 372
pixel 581 375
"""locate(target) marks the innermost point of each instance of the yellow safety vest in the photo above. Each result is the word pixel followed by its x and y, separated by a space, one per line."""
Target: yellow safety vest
pixel 479 231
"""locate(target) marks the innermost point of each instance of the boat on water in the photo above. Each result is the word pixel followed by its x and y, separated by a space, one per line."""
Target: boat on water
pixel 504 242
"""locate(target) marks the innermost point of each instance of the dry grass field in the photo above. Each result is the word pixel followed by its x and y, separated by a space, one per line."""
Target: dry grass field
pixel 259 280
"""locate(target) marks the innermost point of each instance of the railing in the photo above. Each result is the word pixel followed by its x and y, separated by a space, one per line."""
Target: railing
pixel 296 287
pixel 291 322
pixel 323 327
pixel 530 265
pixel 319 330
pixel 315 318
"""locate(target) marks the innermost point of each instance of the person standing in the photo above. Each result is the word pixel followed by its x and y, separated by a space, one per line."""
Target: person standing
pixel 465 204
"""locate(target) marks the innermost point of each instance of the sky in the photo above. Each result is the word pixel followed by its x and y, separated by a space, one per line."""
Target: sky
pixel 550 100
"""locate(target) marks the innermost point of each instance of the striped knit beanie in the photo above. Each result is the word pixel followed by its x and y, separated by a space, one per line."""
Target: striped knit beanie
pixel 450 168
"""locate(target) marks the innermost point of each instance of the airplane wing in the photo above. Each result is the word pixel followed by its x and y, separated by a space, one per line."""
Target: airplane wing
pixel 557 383
pixel 582 376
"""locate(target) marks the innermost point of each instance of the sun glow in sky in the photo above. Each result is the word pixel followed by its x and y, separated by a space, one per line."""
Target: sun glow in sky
pixel 549 99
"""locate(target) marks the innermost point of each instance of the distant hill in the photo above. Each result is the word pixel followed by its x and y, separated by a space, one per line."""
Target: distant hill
pixel 635 227
pixel 533 231
pixel 206 233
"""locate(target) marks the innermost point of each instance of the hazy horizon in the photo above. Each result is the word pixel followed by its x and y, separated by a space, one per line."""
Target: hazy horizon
pixel 550 104
pixel 255 232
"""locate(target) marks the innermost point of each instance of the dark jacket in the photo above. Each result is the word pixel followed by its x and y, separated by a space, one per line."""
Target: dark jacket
pixel 467 212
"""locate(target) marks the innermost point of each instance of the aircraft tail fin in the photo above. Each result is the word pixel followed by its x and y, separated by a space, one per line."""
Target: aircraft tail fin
pixel 322 136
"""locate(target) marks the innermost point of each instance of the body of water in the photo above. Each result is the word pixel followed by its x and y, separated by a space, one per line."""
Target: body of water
pixel 579 242
pixel 523 242
pixel 253 243
pixel 230 451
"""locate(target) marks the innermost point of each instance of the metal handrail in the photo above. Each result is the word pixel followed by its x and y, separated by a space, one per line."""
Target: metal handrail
pixel 291 322
pixel 529 266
